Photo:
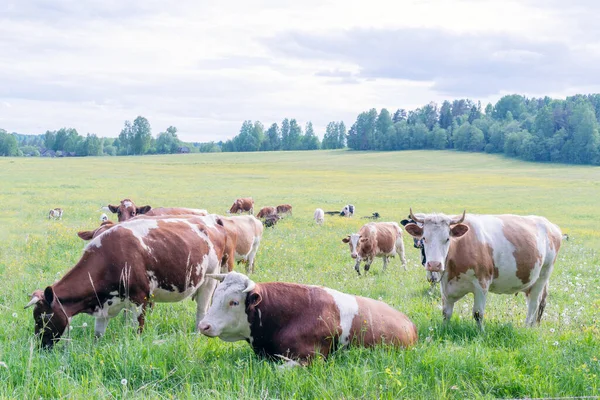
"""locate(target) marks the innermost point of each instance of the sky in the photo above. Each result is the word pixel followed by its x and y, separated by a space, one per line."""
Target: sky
pixel 206 67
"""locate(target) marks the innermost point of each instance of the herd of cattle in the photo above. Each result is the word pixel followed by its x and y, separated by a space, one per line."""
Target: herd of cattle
pixel 170 254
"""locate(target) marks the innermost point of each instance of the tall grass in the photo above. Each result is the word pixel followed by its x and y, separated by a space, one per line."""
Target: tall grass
pixel 559 358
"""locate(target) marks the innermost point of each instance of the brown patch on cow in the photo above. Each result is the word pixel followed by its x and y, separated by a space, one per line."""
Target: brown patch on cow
pixel 467 253
pixel 89 235
pixel 526 252
pixel 266 211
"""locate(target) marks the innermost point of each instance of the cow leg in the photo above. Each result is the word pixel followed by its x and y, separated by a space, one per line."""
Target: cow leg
pixel 203 297
pixel 357 266
pixel 480 296
pixel 542 305
pixel 534 302
pixel 448 308
pixel 368 262
pixel 100 325
pixel 385 262
pixel 400 251
pixel 250 265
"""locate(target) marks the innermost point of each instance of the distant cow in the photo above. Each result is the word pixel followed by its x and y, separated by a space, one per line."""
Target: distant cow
pixel 163 259
pixel 489 253
pixel 55 213
pixel 297 322
pixel 319 216
pixel 284 209
pixel 127 210
pixel 347 211
pixel 266 211
pixel 374 216
pixel 103 218
pixel 271 220
pixel 241 205
pixel 376 239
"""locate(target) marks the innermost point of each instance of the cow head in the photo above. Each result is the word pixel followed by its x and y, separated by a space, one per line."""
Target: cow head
pixel 357 244
pixel 50 319
pixel 436 231
pixel 236 207
pixel 347 211
pixel 127 210
pixel 227 316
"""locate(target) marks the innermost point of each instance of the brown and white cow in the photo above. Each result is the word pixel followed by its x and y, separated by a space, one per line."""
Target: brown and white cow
pixel 319 216
pixel 376 239
pixel 163 259
pixel 241 205
pixel 478 254
pixel 284 209
pixel 266 211
pixel 297 322
pixel 55 213
pixel 127 210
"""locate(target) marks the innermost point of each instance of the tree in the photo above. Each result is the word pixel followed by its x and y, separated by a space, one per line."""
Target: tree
pixel 584 128
pixel 167 142
pixel 8 144
pixel 310 141
pixel 446 115
pixel 399 115
pixel 126 138
pixel 142 135
pixel 92 146
pixel 514 103
pixel 341 129
pixel 285 135
pixel 330 138
pixel 49 139
pixel 295 136
pixel 383 135
pixel 273 140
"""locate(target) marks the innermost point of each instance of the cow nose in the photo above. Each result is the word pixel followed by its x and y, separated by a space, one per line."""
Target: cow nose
pixel 354 255
pixel 204 327
pixel 434 266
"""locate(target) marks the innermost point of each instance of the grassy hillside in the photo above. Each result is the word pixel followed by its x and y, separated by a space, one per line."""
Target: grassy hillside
pixel 560 358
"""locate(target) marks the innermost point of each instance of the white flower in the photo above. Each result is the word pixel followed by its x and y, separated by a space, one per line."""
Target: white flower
pixel 84 325
pixel 123 381
pixel 3 364
pixel 556 343
pixel 15 315
pixel 551 330
pixel 431 328
pixel 428 339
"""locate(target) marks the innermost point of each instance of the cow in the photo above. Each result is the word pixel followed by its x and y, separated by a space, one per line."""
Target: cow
pixel 266 211
pixel 298 322
pixel 373 216
pixel 55 213
pixel 158 259
pixel 284 209
pixel 127 210
pixel 347 211
pixel 376 239
pixel 418 244
pixel 160 211
pixel 319 216
pixel 271 220
pixel 478 254
pixel 241 205
pixel 247 231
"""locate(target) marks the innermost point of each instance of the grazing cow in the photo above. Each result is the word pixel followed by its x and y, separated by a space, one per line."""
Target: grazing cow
pixel 376 239
pixel 266 211
pixel 271 220
pixel 297 322
pixel 319 216
pixel 241 205
pixel 55 213
pixel 284 209
pixel 247 231
pixel 165 260
pixel 127 210
pixel 347 211
pixel 489 253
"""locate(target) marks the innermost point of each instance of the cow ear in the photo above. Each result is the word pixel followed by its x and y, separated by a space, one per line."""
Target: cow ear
pixel 113 209
pixel 414 230
pixel 143 210
pixel 404 222
pixel 220 222
pixel 254 299
pixel 459 230
pixel 86 235
pixel 49 294
pixel 346 239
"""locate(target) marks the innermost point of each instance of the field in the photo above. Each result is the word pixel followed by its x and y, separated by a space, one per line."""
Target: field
pixel 558 358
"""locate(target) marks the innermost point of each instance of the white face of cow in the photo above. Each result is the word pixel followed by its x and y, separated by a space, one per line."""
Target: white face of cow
pixel 353 240
pixel 226 317
pixel 436 232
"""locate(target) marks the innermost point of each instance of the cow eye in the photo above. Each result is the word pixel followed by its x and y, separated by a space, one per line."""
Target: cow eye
pixel 447 240
pixel 233 303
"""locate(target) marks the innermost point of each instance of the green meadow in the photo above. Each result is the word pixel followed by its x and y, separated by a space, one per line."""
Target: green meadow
pixel 168 360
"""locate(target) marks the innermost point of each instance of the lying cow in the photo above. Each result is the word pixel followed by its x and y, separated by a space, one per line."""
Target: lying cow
pixel 489 253
pixel 297 322
pixel 241 205
pixel 283 209
pixel 127 210
pixel 347 211
pixel 265 212
pixel 55 213
pixel 271 220
pixel 319 216
pixel 376 239
pixel 163 259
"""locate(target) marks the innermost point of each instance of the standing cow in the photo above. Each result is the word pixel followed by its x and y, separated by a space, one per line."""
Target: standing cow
pixel 319 216
pixel 284 209
pixel 489 253
pixel 241 205
pixel 376 239
pixel 296 322
pixel 163 259
pixel 55 213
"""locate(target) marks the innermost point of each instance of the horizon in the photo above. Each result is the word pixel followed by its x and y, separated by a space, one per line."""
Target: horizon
pixel 207 68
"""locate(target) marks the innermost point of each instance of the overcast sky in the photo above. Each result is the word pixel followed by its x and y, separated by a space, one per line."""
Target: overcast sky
pixel 206 67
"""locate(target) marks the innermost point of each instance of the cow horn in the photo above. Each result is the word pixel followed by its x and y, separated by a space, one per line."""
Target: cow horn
pixel 219 277
pixel 461 219
pixel 33 301
pixel 250 287
pixel 412 216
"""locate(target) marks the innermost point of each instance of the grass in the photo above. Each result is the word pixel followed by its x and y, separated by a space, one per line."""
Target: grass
pixel 558 358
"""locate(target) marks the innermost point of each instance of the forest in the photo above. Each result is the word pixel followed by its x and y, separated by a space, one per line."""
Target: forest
pixel 531 129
